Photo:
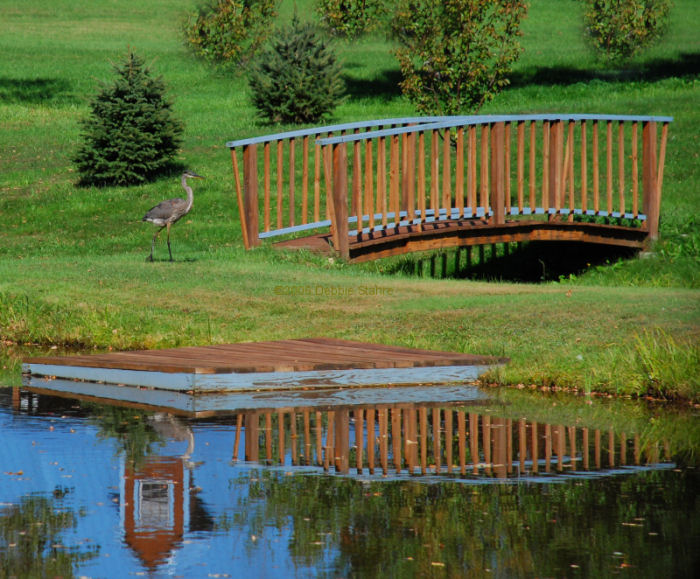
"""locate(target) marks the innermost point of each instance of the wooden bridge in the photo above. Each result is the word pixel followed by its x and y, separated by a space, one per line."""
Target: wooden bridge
pixel 374 189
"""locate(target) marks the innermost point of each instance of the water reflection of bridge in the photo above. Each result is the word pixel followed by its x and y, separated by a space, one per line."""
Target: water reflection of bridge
pixel 424 440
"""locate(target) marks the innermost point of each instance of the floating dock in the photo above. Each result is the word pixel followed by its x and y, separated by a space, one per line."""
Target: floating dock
pixel 311 363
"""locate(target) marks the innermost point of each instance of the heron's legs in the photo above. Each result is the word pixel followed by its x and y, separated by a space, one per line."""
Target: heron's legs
pixel 170 252
pixel 153 243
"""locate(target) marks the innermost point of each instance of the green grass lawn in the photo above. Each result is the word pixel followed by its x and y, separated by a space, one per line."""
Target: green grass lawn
pixel 72 269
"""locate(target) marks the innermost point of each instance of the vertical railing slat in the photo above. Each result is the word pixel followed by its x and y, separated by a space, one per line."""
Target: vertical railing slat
pixel 394 177
pixel 521 166
pixel 635 169
pixel 446 172
pixel 369 183
pixel 280 145
pixel 471 171
pixel 421 175
pixel 484 184
pixel 250 193
pixel 609 167
pixel 533 173
pixel 434 168
pixel 410 176
pixel 357 183
pixel 317 182
pixel 356 206
pixel 305 180
pixel 497 173
pixel 584 167
pixel 596 169
pixel 570 168
pixel 266 186
pixel 546 170
pixel 292 182
pixel 381 179
pixel 459 176
pixel 621 167
pixel 506 165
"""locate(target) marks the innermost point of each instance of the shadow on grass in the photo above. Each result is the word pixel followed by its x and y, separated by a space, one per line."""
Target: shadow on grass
pixel 686 65
pixel 384 86
pixel 533 262
pixel 35 90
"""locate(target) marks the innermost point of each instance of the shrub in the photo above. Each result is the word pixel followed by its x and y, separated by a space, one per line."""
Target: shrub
pixel 618 29
pixel 297 79
pixel 130 135
pixel 456 54
pixel 350 18
pixel 229 31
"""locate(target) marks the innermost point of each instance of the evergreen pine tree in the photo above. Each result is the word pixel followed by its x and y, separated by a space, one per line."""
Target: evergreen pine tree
pixel 130 135
pixel 297 79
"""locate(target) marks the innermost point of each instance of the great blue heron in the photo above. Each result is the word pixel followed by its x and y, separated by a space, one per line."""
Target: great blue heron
pixel 168 212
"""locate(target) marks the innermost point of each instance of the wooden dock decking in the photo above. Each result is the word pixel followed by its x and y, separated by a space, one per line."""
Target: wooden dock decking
pixel 273 365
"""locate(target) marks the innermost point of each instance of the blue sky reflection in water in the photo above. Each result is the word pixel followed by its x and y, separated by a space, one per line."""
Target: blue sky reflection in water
pixel 114 492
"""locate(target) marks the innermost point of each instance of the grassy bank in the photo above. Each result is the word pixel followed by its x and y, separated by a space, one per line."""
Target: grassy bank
pixel 72 270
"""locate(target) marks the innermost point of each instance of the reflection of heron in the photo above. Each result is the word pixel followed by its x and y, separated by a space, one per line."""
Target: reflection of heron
pixel 168 212
pixel 169 426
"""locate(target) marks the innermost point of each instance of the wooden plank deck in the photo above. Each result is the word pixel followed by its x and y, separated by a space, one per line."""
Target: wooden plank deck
pixel 285 364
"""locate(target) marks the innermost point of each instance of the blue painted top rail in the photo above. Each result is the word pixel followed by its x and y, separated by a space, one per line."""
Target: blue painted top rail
pixel 332 129
pixel 447 122
pixel 430 123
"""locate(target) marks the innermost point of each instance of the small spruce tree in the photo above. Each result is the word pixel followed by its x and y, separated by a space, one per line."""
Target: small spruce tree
pixel 130 135
pixel 297 79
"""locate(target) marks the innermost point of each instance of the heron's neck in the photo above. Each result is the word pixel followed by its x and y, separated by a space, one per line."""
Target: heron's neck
pixel 190 195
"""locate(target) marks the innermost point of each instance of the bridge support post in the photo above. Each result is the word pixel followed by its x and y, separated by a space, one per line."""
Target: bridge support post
pixel 250 195
pixel 497 174
pixel 340 198
pixel 649 179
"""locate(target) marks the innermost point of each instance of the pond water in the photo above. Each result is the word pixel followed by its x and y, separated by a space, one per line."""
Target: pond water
pixel 495 485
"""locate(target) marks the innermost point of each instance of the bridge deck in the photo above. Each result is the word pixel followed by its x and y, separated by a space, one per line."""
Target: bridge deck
pixel 463 232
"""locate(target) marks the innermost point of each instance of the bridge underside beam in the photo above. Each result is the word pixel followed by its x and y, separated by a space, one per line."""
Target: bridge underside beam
pixel 458 233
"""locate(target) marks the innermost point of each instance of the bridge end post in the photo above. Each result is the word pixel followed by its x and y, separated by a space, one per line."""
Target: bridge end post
pixel 250 196
pixel 649 179
pixel 340 198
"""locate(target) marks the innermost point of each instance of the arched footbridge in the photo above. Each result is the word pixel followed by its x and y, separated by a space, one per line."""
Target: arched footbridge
pixel 373 189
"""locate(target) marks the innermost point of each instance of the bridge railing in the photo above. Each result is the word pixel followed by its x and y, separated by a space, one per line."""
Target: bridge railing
pixel 284 187
pixel 382 175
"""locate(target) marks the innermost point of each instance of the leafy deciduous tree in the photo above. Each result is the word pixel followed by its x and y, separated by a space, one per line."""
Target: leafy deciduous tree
pixel 230 31
pixel 350 18
pixel 618 29
pixel 456 54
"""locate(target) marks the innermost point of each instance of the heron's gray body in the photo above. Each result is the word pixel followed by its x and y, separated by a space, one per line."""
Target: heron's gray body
pixel 168 212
